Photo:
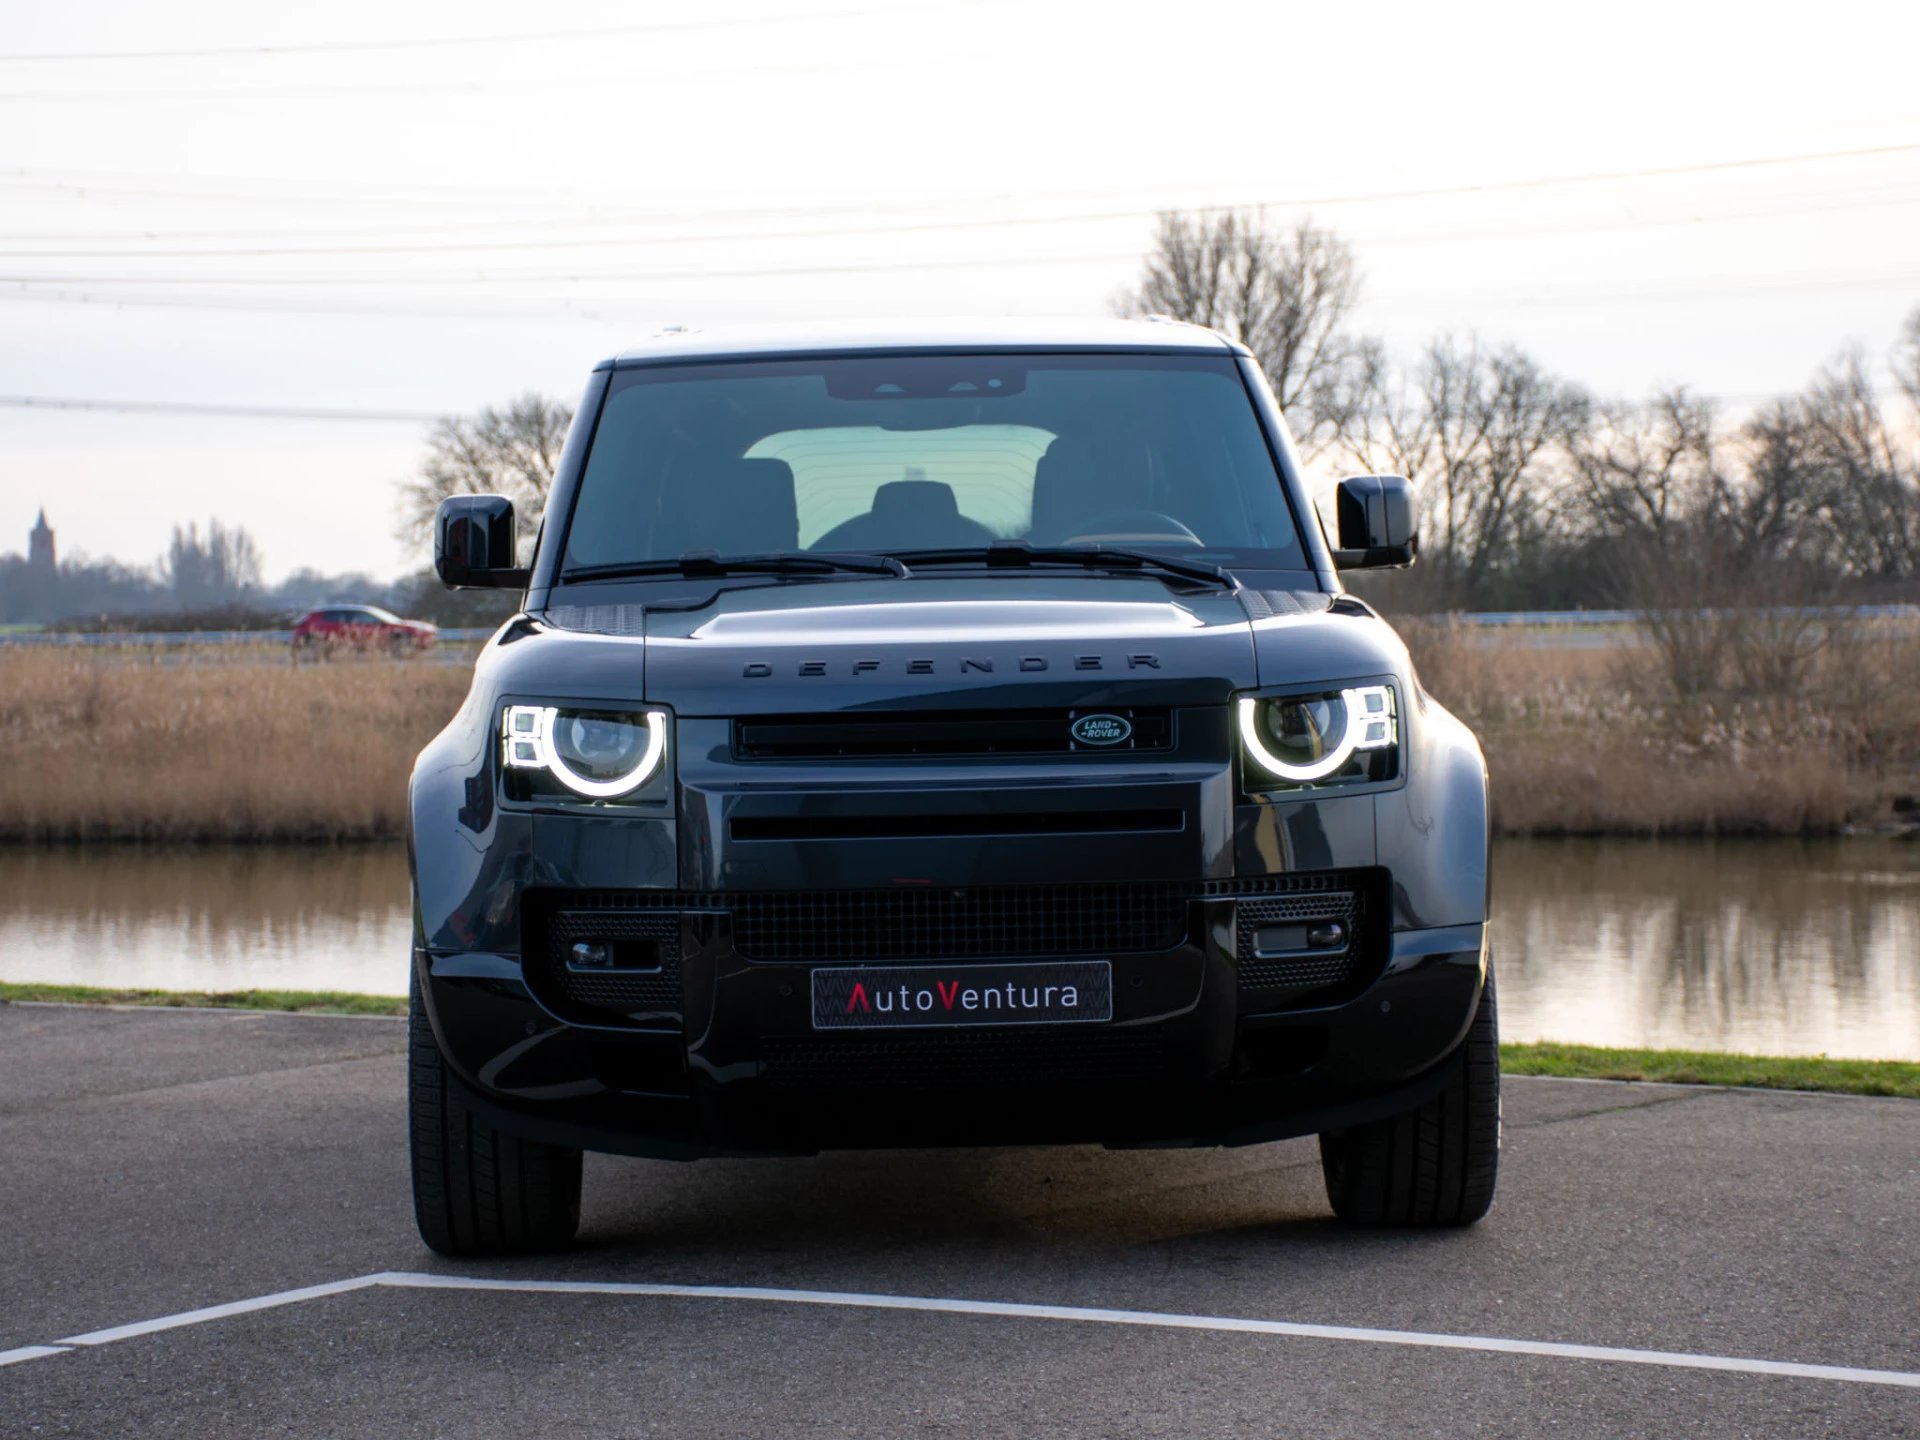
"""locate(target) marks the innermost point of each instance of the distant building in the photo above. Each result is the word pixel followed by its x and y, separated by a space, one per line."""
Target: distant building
pixel 41 562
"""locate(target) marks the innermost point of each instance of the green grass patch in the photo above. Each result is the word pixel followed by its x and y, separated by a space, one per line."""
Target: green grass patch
pixel 1704 1067
pixel 300 1002
pixel 1582 1062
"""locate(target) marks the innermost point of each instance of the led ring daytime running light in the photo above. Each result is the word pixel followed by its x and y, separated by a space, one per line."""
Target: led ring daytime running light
pixel 1354 702
pixel 540 737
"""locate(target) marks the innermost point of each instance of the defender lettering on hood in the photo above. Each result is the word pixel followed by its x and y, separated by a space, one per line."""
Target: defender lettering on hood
pixel 962 665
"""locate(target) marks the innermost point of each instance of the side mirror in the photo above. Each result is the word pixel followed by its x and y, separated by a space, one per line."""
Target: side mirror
pixel 473 544
pixel 1379 522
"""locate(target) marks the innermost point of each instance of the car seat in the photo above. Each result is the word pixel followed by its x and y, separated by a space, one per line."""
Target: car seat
pixel 909 515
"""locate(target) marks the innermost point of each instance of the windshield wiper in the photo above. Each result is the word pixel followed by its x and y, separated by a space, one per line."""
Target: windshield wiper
pixel 703 563
pixel 1019 554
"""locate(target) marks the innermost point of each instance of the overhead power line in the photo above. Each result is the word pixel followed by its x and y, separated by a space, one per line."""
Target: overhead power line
pixel 611 310
pixel 471 279
pixel 537 310
pixel 255 412
pixel 417 417
pixel 340 47
pixel 601 242
pixel 570 206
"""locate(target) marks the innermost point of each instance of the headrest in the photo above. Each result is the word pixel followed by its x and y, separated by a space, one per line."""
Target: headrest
pixel 1081 476
pixel 903 498
pixel 733 505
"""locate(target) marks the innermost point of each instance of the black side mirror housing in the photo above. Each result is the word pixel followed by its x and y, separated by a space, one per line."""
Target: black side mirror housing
pixel 473 544
pixel 1379 522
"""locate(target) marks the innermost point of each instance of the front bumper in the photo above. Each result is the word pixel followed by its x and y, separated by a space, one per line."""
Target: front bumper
pixel 1193 1056
pixel 770 866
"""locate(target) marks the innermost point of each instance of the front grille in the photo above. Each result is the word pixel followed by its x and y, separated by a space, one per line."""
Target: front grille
pixel 937 924
pixel 969 1058
pixel 596 995
pixel 852 735
pixel 923 824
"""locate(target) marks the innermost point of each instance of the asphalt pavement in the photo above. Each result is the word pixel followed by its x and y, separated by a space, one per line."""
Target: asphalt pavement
pixel 155 1163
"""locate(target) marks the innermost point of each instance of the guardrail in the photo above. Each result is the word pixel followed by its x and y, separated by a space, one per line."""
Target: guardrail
pixel 161 638
pixel 1484 619
pixel 1496 619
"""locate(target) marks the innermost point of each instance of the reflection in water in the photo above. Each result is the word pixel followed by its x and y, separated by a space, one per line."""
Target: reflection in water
pixel 254 918
pixel 1772 946
pixel 1781 947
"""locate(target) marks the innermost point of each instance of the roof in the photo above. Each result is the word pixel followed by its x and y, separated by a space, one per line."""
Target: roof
pixel 1082 335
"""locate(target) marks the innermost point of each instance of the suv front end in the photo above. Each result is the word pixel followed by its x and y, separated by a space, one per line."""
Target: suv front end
pixel 1011 845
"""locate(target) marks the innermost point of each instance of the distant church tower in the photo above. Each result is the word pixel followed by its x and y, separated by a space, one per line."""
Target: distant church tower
pixel 40 556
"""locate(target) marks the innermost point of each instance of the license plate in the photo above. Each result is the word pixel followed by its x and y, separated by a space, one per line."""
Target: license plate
pixel 906 997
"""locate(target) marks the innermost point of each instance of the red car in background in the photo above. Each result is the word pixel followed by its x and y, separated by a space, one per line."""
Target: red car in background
pixel 331 629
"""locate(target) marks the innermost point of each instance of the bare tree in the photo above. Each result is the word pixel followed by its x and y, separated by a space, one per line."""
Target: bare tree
pixel 511 451
pixel 1486 432
pixel 1869 487
pixel 1286 295
pixel 1642 471
pixel 217 569
pixel 1906 360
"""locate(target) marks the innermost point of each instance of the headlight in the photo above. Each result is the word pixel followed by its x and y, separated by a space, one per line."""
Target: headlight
pixel 601 754
pixel 1349 734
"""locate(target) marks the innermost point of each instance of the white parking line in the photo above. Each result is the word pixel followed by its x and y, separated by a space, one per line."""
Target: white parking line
pixel 1550 1349
pixel 221 1312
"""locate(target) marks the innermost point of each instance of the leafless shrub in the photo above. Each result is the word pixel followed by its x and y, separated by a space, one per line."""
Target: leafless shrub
pixel 1439 645
pixel 1574 748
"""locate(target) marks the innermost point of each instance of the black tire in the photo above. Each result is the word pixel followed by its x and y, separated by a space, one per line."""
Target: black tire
pixel 478 1190
pixel 1435 1165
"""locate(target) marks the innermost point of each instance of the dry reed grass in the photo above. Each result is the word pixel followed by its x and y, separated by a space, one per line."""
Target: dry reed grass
pixel 119 746
pixel 1593 741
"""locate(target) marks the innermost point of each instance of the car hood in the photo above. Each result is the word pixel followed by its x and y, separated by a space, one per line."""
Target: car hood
pixel 951 643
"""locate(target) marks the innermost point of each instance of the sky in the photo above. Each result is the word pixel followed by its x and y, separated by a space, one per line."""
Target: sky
pixel 373 213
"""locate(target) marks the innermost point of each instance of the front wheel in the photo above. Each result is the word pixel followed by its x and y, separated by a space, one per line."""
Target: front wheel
pixel 1434 1165
pixel 478 1190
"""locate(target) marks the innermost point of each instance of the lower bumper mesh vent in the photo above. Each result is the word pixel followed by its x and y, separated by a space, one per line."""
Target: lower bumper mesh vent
pixel 1276 954
pixel 599 994
pixel 970 1059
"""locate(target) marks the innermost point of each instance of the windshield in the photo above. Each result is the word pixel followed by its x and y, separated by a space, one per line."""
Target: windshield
pixel 902 453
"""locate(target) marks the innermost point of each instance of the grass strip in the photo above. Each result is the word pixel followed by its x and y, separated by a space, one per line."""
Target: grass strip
pixel 297 1002
pixel 1579 1062
pixel 1706 1067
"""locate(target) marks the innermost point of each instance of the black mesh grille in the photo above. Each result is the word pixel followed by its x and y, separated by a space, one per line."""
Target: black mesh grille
pixel 993 922
pixel 970 1058
pixel 1313 882
pixel 852 735
pixel 1300 972
pixel 959 924
pixel 1026 921
pixel 593 993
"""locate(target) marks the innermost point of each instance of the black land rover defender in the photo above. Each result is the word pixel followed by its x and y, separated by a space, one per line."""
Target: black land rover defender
pixel 942 737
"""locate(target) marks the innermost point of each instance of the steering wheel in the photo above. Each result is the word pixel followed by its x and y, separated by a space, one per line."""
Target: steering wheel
pixel 1133 527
